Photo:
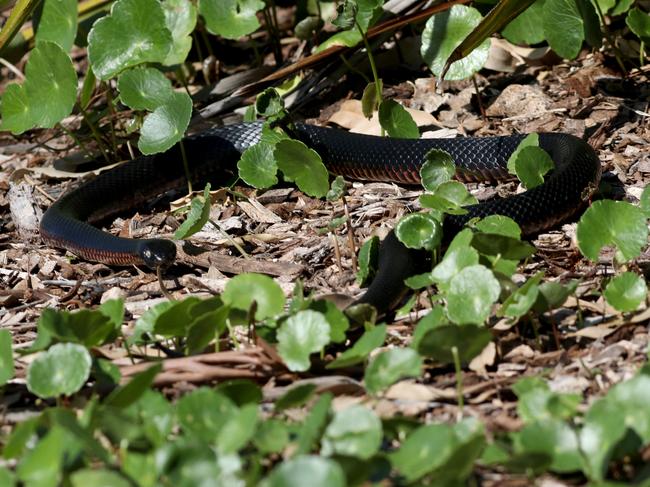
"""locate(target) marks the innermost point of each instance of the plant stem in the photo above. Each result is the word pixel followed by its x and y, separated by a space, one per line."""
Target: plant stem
pixel 608 36
pixel 459 381
pixel 373 68
pixel 111 108
pixel 186 167
pixel 96 135
pixel 76 141
pixel 232 241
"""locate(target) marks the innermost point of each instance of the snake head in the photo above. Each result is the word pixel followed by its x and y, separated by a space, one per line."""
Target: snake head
pixel 157 253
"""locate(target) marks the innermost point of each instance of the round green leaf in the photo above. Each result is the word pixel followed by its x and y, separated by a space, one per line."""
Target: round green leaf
pixel 438 341
pixel 51 84
pixel 354 432
pixel 135 32
pixel 554 438
pixel 614 223
pixel 437 169
pixel 245 289
pixel 639 22
pixel 526 28
pixel 644 202
pixel 390 366
pixel 16 115
pixel 6 357
pixel 144 88
pixel 166 124
pixel 197 217
pixel 472 292
pixel 231 19
pixel 272 436
pixel 61 370
pixel 397 122
pixel 443 33
pixel 368 256
pixel 449 197
pixel 58 23
pixel 520 301
pixel 626 291
pixel 257 166
pixel 301 335
pixel 302 165
pixel 455 260
pixel 499 225
pixel 531 140
pixel 180 17
pixel 424 450
pixel 531 164
pixel 106 478
pixel 203 413
pixel 358 352
pixel 303 470
pixel 564 27
pixel 419 231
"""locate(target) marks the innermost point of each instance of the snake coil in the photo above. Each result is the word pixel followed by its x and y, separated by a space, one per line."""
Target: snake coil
pixel 213 155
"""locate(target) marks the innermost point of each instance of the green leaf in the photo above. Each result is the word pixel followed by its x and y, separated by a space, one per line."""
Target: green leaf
pixel 626 291
pixel 419 231
pixel 336 318
pixel 449 197
pixel 296 396
pixel 102 477
pixel 345 15
pixel 16 114
pixel 180 18
pixel 370 100
pixel 48 94
pixel 564 27
pixel 271 437
pixel 86 327
pixel 472 292
pixel 357 353
pixel 269 103
pixel 257 166
pixel 42 465
pixel 308 27
pixel 238 430
pixel 536 401
pixel 197 217
pixel 203 413
pixel 553 438
pixel 458 256
pixel 21 436
pixel 644 202
pixel 7 477
pixel 612 223
pixel 368 256
pixel 231 19
pixel 337 189
pixel 305 470
pixel 58 23
pixel 6 357
pixel 166 125
pixel 302 165
pixel 206 328
pixel 353 432
pixel 174 319
pixel 526 29
pixel 523 299
pixel 438 340
pixel 241 391
pixel 61 370
pixel 314 424
pixel 639 22
pixel 553 295
pixel 127 394
pixel 431 320
pixel 144 88
pixel 438 168
pixel 531 164
pixel 443 33
pixel 245 289
pixel 423 451
pixel 499 225
pixel 390 366
pixel 531 140
pixel 135 32
pixel 397 122
pixel 301 335
pixel 503 246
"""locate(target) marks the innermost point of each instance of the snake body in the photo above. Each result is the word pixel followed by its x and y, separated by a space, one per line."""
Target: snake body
pixel 212 156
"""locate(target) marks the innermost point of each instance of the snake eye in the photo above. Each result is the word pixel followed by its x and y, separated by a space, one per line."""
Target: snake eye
pixel 158 253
